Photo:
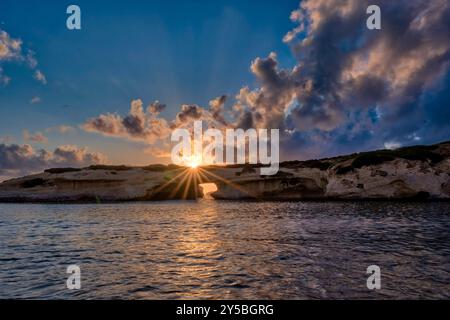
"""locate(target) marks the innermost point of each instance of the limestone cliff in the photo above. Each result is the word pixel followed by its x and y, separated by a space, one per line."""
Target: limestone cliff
pixel 420 172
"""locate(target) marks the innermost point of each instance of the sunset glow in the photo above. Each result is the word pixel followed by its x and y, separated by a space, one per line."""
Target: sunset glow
pixel 193 161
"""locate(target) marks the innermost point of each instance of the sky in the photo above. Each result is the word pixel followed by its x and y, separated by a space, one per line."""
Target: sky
pixel 113 91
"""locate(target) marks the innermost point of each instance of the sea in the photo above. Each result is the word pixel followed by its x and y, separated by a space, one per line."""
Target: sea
pixel 209 249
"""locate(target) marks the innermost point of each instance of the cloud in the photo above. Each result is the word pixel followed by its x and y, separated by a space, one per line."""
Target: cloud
pixel 354 88
pixel 4 79
pixel 346 69
pixel 77 156
pixel 138 125
pixel 159 152
pixel 61 129
pixel 35 100
pixel 216 107
pixel 392 145
pixel 31 59
pixel 19 160
pixel 36 137
pixel 6 139
pixel 39 76
pixel 266 106
pixel 156 107
pixel 11 49
pixel 189 112
pixel 146 125
pixel 297 17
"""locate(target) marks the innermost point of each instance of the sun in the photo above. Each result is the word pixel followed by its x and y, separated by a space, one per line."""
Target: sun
pixel 194 165
pixel 193 162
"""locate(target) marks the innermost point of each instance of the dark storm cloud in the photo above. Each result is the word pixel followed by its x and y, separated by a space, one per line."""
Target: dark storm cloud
pixel 354 88
pixel 344 68
pixel 16 160
pixel 189 112
pixel 267 104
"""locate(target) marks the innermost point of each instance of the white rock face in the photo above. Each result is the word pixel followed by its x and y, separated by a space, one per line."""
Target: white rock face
pixel 392 180
pixel 396 178
pixel 89 185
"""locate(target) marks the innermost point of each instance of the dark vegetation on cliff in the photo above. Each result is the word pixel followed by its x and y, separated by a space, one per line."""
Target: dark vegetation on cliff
pixel 432 154
pixel 62 170
pixel 418 153
pixel 152 168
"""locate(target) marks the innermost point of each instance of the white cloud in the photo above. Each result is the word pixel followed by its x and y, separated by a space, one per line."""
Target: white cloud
pixel 31 60
pixel 37 137
pixel 39 76
pixel 61 129
pixel 11 50
pixel 4 79
pixel 35 100
pixel 391 145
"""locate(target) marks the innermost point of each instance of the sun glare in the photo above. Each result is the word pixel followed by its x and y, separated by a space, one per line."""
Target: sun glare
pixel 194 165
pixel 193 162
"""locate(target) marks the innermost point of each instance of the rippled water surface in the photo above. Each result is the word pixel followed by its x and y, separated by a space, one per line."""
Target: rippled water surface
pixel 226 250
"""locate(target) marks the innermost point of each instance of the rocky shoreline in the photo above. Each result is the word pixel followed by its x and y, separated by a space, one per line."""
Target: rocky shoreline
pixel 411 173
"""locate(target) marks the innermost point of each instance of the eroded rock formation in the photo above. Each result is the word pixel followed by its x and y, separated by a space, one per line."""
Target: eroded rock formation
pixel 421 172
